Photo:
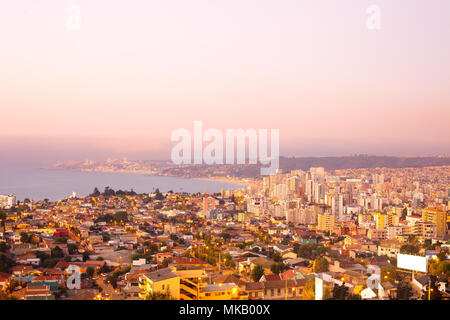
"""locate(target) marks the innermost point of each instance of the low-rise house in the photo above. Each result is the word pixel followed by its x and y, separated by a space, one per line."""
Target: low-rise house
pixel 255 290
pixel 161 281
pixel 281 289
pixel 38 293
pixel 387 290
pixel 20 270
pixel 389 248
pixel 368 294
pixel 270 277
pixel 160 257
pixel 221 291
pixel 4 280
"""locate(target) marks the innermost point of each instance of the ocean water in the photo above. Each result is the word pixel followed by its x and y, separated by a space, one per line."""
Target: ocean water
pixel 39 184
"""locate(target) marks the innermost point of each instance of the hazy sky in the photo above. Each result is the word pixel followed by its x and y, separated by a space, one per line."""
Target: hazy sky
pixel 137 70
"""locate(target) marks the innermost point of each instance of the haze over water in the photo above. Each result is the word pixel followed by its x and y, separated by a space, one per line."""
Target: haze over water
pixel 38 184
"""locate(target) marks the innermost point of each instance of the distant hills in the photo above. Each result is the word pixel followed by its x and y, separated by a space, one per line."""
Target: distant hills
pixel 361 161
pixel 167 168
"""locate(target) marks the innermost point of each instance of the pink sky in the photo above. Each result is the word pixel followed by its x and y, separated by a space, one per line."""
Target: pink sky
pixel 140 69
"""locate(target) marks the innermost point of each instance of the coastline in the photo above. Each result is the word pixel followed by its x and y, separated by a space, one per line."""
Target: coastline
pixel 242 182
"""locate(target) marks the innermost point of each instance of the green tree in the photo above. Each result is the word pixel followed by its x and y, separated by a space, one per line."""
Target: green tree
pixel 228 260
pixel 57 252
pixel 3 246
pixel 257 272
pixel 86 255
pixel 5 296
pixel 105 237
pixel 165 262
pixel 388 273
pixel 340 292
pixel 276 256
pixel 24 238
pixel 442 255
pixel 404 291
pixel 96 193
pixel 439 267
pixel 311 251
pixel 159 195
pixel 90 272
pixel 159 296
pixel 5 263
pixel 120 217
pixel 61 240
pixel 409 249
pixel 433 293
pixel 72 248
pixel 278 267
pixel 226 236
pixel 320 265
pixel 353 296
pixel 309 290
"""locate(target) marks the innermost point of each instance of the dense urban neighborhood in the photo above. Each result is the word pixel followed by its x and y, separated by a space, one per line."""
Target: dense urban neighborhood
pixel 349 231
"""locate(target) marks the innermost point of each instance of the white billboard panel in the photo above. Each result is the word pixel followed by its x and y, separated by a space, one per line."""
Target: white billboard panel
pixel 319 289
pixel 410 262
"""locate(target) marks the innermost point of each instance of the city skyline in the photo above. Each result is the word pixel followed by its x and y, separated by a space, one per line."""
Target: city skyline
pixel 227 154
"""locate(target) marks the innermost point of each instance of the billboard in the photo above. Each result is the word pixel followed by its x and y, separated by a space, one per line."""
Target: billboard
pixel 319 289
pixel 410 262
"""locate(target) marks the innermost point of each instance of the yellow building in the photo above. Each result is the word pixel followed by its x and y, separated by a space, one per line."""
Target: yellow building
pixel 438 217
pixel 192 282
pixel 381 220
pixel 221 291
pixel 163 281
pixel 364 218
pixel 325 222
pixel 241 217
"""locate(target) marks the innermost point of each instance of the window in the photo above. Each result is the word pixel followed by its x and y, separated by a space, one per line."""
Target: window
pixel 272 292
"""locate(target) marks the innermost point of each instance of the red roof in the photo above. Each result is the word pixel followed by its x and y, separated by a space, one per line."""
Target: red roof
pixel 47 278
pixel 287 274
pixel 272 277
pixel 92 263
pixel 21 268
pixel 4 276
pixel 185 260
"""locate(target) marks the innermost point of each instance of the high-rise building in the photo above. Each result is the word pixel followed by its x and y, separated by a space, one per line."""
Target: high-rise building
pixel 7 201
pixel 381 220
pixel 377 202
pixel 325 222
pixel 437 217
pixel 319 192
pixel 209 203
pixel 378 179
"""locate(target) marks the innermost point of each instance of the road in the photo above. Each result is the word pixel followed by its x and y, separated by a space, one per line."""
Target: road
pixel 108 289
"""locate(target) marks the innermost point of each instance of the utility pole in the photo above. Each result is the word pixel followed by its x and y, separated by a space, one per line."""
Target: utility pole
pixel 286 289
